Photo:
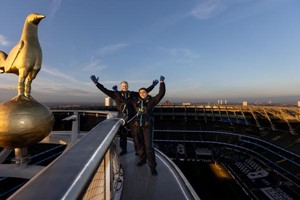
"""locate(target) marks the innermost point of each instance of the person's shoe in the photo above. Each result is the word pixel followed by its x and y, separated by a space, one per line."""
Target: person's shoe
pixel 153 172
pixel 141 162
pixel 122 153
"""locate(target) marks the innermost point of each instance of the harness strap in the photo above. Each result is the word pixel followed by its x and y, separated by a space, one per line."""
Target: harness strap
pixel 141 116
pixel 124 108
pixel 132 118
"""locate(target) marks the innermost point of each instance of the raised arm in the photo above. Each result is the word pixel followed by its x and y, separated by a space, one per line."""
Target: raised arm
pixel 135 94
pixel 109 93
pixel 162 90
pixel 151 87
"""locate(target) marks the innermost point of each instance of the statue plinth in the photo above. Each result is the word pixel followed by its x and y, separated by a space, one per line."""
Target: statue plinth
pixel 23 123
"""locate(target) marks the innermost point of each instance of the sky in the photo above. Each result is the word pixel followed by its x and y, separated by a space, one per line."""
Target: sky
pixel 207 50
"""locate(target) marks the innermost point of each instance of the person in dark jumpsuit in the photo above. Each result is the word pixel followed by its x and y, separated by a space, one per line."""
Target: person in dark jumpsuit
pixel 144 124
pixel 123 108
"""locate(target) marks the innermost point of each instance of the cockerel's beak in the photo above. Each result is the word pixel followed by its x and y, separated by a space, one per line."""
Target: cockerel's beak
pixel 41 16
pixel 38 18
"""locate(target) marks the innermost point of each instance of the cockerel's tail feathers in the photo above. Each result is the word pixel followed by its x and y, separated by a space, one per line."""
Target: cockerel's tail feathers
pixel 3 57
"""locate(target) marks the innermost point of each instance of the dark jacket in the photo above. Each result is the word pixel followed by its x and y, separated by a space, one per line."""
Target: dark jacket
pixel 122 106
pixel 145 107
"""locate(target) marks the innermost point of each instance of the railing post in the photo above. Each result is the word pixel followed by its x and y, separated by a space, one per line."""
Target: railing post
pixel 75 128
pixel 107 175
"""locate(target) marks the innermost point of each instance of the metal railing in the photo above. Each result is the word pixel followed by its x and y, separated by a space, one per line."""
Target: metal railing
pixel 84 171
pixel 89 168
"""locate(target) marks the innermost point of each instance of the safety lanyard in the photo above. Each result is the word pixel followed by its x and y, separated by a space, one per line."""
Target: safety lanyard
pixel 141 115
pixel 125 105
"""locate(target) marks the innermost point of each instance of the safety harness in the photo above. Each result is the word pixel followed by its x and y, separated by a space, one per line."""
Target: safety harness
pixel 126 95
pixel 142 109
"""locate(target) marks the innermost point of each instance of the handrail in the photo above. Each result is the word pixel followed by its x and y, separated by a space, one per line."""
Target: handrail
pixel 69 175
pixel 186 187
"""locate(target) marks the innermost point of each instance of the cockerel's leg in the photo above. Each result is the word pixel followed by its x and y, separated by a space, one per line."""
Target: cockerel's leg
pixel 28 82
pixel 21 81
pixel 21 86
pixel 27 89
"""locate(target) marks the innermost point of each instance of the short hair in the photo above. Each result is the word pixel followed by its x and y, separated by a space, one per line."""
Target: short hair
pixel 124 82
pixel 143 89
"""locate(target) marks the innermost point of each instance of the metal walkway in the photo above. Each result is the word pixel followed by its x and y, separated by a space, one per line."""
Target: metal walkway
pixel 140 184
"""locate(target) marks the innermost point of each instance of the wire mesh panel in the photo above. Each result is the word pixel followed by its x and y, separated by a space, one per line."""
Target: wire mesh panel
pixel 96 189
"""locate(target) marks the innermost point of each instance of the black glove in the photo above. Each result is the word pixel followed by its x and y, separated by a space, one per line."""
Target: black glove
pixel 162 78
pixel 94 79
pixel 115 88
pixel 155 82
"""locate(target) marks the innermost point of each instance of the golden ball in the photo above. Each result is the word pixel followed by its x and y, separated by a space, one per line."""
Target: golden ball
pixel 23 123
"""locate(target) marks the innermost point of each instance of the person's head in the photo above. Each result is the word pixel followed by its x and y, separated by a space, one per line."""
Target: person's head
pixel 124 86
pixel 143 93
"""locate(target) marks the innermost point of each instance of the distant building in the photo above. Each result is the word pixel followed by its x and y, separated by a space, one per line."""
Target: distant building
pixel 245 103
pixel 220 101
pixel 167 103
pixel 298 103
pixel 186 103
pixel 108 101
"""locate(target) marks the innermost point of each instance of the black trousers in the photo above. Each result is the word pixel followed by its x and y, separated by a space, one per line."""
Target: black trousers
pixel 144 143
pixel 124 132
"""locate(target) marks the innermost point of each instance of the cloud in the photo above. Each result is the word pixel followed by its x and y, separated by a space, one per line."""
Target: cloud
pixel 3 41
pixel 59 84
pixel 94 65
pixel 55 6
pixel 208 9
pixel 112 48
pixel 181 55
pixel 57 73
pixel 236 9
